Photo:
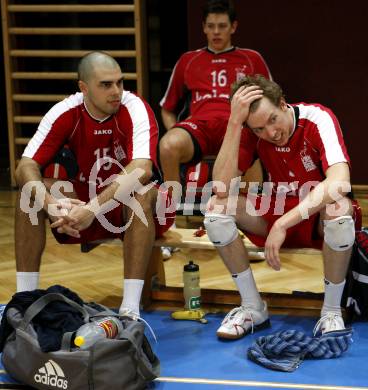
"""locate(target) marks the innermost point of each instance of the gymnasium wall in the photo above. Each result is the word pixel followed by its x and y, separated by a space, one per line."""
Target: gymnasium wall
pixel 317 51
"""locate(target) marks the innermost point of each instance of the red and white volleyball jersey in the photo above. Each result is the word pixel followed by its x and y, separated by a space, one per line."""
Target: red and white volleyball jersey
pixel 208 76
pixel 129 134
pixel 316 144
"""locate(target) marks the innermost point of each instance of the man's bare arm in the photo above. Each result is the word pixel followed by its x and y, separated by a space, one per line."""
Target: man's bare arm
pixel 226 164
pixel 145 168
pixel 136 174
pixel 337 179
pixel 168 118
pixel 333 189
pixel 28 170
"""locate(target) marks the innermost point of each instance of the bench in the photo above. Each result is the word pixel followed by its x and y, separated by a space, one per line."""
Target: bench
pixel 155 288
pixel 186 238
pixel 156 291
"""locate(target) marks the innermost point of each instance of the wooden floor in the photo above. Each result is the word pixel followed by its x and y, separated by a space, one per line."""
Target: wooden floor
pixel 97 276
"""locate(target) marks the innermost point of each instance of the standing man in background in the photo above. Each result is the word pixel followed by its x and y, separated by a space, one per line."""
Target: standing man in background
pixel 204 76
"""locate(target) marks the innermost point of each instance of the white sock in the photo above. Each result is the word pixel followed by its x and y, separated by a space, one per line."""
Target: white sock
pixel 27 281
pixel 132 295
pixel 332 299
pixel 248 290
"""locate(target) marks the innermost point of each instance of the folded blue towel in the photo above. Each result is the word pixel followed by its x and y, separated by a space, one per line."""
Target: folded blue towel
pixel 285 351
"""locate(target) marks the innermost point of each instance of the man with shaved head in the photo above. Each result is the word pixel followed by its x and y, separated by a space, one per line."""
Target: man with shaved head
pixel 109 137
pixel 90 61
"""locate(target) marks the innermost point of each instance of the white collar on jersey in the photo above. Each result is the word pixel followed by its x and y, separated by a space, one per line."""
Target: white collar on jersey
pixel 96 119
pixel 294 119
pixel 220 52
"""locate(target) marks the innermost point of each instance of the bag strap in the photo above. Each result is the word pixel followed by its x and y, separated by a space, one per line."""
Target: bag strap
pixel 148 373
pixel 66 341
pixel 105 313
pixel 38 305
pixel 153 359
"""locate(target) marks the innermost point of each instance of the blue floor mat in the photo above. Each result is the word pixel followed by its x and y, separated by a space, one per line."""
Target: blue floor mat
pixel 193 358
pixel 191 350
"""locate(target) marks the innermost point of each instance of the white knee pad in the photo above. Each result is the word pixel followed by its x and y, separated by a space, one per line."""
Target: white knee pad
pixel 339 233
pixel 221 229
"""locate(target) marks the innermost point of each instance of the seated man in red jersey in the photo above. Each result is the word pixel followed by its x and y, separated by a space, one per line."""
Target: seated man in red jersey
pixel 206 76
pixel 113 136
pixel 305 203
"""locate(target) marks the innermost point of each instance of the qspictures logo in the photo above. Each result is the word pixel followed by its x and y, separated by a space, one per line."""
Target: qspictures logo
pixel 51 375
pixel 129 185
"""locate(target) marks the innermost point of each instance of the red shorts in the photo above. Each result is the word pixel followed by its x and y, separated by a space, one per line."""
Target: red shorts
pixel 207 131
pixel 115 217
pixel 302 235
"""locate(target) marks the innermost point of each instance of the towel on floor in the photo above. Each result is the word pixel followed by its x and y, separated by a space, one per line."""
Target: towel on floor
pixel 285 351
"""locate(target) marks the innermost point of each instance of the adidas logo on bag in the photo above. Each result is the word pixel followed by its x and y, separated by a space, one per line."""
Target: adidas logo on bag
pixel 51 374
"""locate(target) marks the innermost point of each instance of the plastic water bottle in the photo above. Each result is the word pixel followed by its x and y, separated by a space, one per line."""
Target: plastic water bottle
pixel 105 327
pixel 2 309
pixel 192 291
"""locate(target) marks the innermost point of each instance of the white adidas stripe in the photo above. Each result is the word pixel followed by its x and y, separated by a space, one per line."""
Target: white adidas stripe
pixel 51 368
pixel 57 368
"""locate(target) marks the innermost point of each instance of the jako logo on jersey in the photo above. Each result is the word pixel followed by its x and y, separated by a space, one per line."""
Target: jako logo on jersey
pixel 52 375
pixel 217 60
pixel 282 149
pixel 192 125
pixel 102 132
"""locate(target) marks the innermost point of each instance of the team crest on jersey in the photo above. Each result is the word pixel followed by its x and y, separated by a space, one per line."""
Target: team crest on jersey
pixel 307 161
pixel 240 72
pixel 119 151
